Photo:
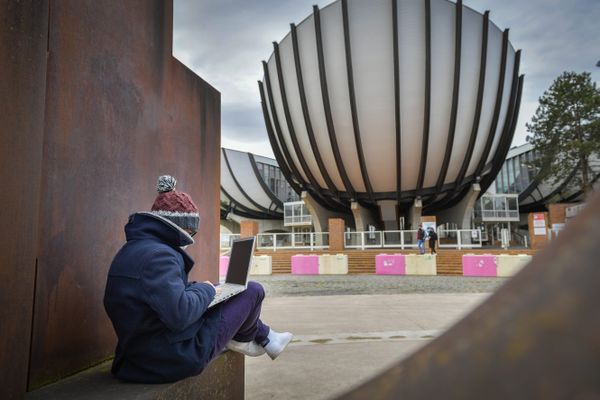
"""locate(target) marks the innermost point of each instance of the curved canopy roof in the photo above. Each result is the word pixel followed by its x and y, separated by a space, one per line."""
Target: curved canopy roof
pixel 539 194
pixel 243 189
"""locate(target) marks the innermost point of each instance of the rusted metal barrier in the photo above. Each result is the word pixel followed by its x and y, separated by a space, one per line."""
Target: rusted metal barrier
pixel 537 337
pixel 93 108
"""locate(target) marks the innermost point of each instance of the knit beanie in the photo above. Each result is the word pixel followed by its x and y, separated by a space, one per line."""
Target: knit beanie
pixel 175 206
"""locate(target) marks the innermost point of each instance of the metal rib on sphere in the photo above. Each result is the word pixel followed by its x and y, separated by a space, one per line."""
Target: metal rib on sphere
pixel 243 189
pixel 392 100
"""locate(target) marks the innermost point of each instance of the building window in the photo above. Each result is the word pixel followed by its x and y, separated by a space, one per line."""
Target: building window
pixel 510 177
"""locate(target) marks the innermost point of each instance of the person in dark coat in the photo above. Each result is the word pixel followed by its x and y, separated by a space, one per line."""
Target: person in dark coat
pixel 432 239
pixel 164 328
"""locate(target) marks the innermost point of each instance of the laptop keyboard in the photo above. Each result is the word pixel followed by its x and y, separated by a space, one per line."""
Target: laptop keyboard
pixel 227 291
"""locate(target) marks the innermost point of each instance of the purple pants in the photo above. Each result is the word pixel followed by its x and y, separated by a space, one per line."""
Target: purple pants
pixel 240 318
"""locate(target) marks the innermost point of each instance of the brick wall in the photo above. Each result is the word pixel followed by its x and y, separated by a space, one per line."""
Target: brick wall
pixel 537 241
pixel 336 234
pixel 248 229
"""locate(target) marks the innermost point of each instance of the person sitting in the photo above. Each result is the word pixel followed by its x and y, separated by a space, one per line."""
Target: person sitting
pixel 164 327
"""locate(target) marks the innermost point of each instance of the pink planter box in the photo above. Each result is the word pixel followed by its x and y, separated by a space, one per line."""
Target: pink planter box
pixel 223 265
pixel 305 264
pixel 479 265
pixel 390 264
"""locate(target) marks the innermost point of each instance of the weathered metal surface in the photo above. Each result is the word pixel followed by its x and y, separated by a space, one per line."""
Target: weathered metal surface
pixel 538 337
pixel 23 30
pixel 120 111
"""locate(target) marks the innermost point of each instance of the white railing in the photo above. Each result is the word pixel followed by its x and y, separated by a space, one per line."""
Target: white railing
pixel 297 220
pixel 459 238
pixel 573 211
pixel 496 215
pixel 448 238
pixel 451 238
pixel 363 240
pixel 227 240
pixel 295 213
pixel 299 240
pixel 520 238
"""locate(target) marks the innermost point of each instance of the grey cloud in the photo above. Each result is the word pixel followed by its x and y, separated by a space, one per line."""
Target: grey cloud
pixel 244 122
pixel 224 42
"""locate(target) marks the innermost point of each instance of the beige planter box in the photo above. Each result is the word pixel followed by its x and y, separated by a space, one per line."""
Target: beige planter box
pixel 417 264
pixel 509 265
pixel 261 265
pixel 330 264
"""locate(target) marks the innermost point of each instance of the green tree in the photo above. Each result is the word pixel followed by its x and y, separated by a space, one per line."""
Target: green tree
pixel 566 130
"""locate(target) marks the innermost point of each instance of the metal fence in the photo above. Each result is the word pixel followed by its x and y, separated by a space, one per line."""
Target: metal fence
pixel 299 240
pixel 450 238
pixel 227 240
pixel 459 238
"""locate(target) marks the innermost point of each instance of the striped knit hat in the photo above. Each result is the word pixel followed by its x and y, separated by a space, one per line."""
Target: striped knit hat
pixel 176 206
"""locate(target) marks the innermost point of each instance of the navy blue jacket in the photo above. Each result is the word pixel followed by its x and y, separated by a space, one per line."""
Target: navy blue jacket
pixel 164 332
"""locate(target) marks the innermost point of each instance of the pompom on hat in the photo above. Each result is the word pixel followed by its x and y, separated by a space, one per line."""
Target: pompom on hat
pixel 174 205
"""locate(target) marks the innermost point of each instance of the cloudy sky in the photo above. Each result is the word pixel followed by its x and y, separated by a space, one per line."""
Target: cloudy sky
pixel 224 41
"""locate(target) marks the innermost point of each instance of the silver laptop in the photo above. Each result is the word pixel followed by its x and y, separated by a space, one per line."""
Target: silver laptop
pixel 236 280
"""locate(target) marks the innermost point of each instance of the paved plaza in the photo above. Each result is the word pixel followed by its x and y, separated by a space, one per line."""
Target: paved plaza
pixel 348 328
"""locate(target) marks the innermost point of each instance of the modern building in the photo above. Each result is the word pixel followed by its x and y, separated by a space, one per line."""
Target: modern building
pixel 518 175
pixel 386 110
pixel 252 187
pixel 518 190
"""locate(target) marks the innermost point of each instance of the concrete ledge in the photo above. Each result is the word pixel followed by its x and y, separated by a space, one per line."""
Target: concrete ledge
pixel 222 379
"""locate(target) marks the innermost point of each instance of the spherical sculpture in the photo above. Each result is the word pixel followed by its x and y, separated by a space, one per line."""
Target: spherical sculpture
pixel 371 100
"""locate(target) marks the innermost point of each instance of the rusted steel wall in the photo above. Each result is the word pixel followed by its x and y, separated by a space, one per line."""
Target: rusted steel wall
pixel 120 111
pixel 23 30
pixel 537 337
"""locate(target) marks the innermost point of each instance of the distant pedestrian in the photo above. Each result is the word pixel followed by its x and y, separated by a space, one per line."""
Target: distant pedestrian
pixel 421 239
pixel 432 239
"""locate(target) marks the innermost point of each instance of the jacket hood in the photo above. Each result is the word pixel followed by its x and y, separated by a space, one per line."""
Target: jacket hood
pixel 146 225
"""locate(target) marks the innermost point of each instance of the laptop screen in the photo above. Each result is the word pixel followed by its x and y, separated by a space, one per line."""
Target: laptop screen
pixel 239 263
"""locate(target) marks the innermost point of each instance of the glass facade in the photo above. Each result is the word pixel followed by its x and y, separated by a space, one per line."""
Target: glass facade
pixel 275 180
pixel 498 207
pixel 516 173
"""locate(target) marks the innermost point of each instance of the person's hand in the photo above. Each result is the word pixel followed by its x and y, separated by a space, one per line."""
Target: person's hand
pixel 217 288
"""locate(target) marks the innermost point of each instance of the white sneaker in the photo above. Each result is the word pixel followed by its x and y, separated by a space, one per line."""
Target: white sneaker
pixel 251 349
pixel 277 343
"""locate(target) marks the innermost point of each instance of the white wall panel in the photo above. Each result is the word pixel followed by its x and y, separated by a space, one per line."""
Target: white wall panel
pixel 411 45
pixel 307 44
pixel 443 15
pixel 271 118
pixel 373 69
pixel 337 77
pixel 510 65
pixel 281 115
pixel 288 67
pixel 469 85
pixel 490 92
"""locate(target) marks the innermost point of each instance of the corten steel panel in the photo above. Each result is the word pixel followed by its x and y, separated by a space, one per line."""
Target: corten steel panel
pixel 120 112
pixel 537 337
pixel 23 33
